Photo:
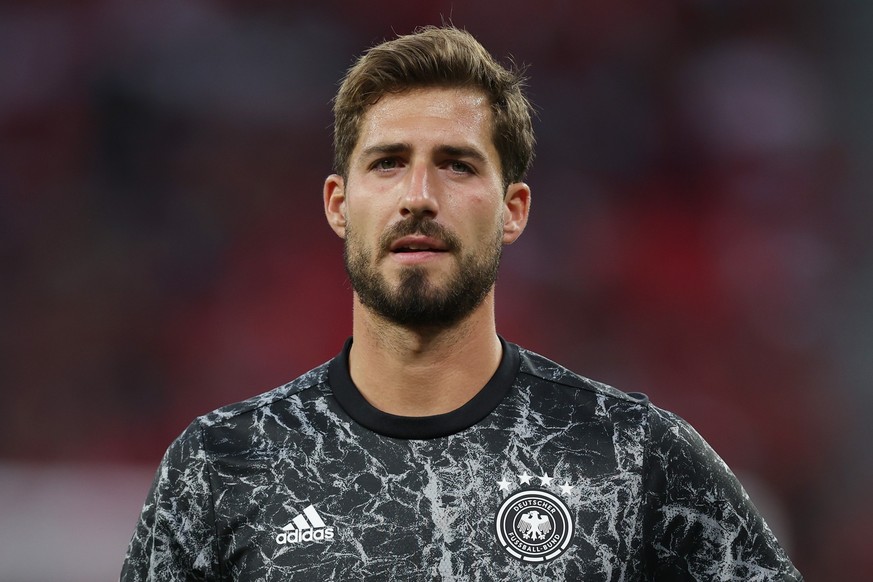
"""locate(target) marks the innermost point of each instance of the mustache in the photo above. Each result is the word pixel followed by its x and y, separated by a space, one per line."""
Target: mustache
pixel 418 226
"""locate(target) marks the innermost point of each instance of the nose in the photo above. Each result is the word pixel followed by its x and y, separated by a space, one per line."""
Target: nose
pixel 419 198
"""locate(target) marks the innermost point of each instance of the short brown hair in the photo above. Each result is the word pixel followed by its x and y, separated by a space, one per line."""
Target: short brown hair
pixel 436 57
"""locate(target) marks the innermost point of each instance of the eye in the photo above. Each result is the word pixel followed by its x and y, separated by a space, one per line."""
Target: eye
pixel 460 167
pixel 386 164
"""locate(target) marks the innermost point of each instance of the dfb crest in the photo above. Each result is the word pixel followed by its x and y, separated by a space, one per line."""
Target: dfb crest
pixel 534 525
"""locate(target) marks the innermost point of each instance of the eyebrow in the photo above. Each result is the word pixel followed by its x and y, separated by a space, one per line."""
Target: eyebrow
pixel 467 152
pixel 462 152
pixel 385 149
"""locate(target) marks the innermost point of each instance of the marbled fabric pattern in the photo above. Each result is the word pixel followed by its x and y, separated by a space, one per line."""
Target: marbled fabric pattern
pixel 648 498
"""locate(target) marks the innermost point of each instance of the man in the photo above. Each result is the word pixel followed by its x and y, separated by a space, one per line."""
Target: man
pixel 430 447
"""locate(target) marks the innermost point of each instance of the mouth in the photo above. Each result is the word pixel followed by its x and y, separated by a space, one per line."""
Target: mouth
pixel 418 244
pixel 415 250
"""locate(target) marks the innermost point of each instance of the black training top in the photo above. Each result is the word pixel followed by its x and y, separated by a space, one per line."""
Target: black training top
pixel 544 475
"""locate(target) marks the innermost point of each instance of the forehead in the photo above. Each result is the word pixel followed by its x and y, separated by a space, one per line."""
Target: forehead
pixel 429 117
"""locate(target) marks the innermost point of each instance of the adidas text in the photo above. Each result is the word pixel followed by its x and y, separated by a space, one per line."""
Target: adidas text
pixel 305 527
pixel 309 535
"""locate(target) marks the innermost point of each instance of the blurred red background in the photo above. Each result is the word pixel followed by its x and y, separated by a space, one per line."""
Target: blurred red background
pixel 700 232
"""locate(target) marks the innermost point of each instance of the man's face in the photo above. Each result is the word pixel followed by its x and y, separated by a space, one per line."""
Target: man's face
pixel 424 207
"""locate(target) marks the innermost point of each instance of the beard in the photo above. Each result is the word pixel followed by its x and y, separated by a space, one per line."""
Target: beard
pixel 417 301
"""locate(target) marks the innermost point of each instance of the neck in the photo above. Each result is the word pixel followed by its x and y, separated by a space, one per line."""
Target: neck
pixel 410 371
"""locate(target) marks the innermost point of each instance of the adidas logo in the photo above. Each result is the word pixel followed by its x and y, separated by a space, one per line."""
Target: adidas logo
pixel 306 527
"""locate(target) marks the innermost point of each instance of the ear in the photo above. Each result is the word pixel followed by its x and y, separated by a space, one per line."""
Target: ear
pixel 516 208
pixel 335 204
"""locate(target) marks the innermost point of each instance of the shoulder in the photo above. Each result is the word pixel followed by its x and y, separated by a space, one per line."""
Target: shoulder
pixel 543 377
pixel 284 399
pixel 544 372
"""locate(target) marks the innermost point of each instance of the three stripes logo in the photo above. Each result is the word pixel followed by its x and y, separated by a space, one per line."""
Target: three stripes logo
pixel 306 527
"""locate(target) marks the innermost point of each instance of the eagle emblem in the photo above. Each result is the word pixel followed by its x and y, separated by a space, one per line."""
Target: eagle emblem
pixel 534 526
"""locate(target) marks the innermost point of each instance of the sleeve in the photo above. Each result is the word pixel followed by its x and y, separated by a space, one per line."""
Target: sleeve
pixel 175 537
pixel 699 522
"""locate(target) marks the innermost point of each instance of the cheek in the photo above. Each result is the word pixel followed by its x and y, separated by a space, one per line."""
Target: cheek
pixel 361 219
pixel 364 230
pixel 487 218
pixel 371 208
pixel 477 210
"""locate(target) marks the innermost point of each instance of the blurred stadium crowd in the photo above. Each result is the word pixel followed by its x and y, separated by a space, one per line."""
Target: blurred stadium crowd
pixel 700 227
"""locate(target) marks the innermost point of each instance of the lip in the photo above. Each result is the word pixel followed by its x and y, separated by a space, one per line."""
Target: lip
pixel 414 244
pixel 417 249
